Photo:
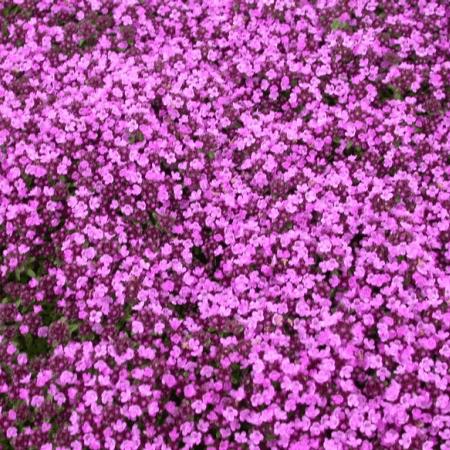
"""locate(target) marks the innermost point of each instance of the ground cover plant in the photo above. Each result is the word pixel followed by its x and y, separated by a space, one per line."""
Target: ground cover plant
pixel 224 224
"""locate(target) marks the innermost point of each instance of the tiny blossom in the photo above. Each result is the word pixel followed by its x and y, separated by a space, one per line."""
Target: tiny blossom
pixel 189 391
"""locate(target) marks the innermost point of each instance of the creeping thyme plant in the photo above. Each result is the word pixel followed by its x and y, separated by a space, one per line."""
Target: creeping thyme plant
pixel 224 224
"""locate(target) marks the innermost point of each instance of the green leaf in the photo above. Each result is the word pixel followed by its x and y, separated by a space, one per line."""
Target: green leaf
pixel 398 94
pixel 50 313
pixel 89 42
pixel 17 273
pixel 161 417
pixel 11 10
pixel 123 321
pixel 389 92
pixel 330 100
pixel 238 374
pixel 5 31
pixel 29 181
pixel 73 327
pixel 338 25
pixel 31 273
pixel 57 262
pixel 5 443
pixel 226 333
pixel 379 11
pixel 198 254
pixel 136 136
pixel 32 345
pixel 154 219
pixel 33 267
pixel 353 150
pixel 215 432
pixel 70 184
pixel 336 141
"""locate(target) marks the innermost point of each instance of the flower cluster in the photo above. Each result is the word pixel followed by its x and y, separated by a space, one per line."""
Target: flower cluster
pixel 224 224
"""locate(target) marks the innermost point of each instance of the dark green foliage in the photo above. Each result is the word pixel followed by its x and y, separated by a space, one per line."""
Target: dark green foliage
pixel 353 150
pixel 88 43
pixel 11 10
pixel 70 184
pixel 5 443
pixel 184 310
pixel 198 254
pixel 238 375
pixel 338 25
pixel 379 11
pixel 161 418
pixel 50 313
pixel 153 219
pixel 33 267
pixel 216 263
pixel 200 447
pixel 32 345
pixel 389 92
pixel 180 310
pixel 356 240
pixel 215 432
pixel 29 181
pixel 136 136
pixel 174 397
pixel 330 100
pixel 271 437
pixel 124 320
pixel 373 333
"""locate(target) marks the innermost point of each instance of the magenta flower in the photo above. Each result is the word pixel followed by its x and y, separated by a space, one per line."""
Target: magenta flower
pixel 224 225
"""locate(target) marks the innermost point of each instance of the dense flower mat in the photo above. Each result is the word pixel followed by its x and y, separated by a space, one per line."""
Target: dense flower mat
pixel 224 224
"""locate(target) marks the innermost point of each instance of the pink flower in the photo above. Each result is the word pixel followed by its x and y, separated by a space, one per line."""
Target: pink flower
pixel 392 392
pixel 11 432
pixel 169 380
pixel 137 327
pixel 90 397
pixel 256 437
pixel 189 391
